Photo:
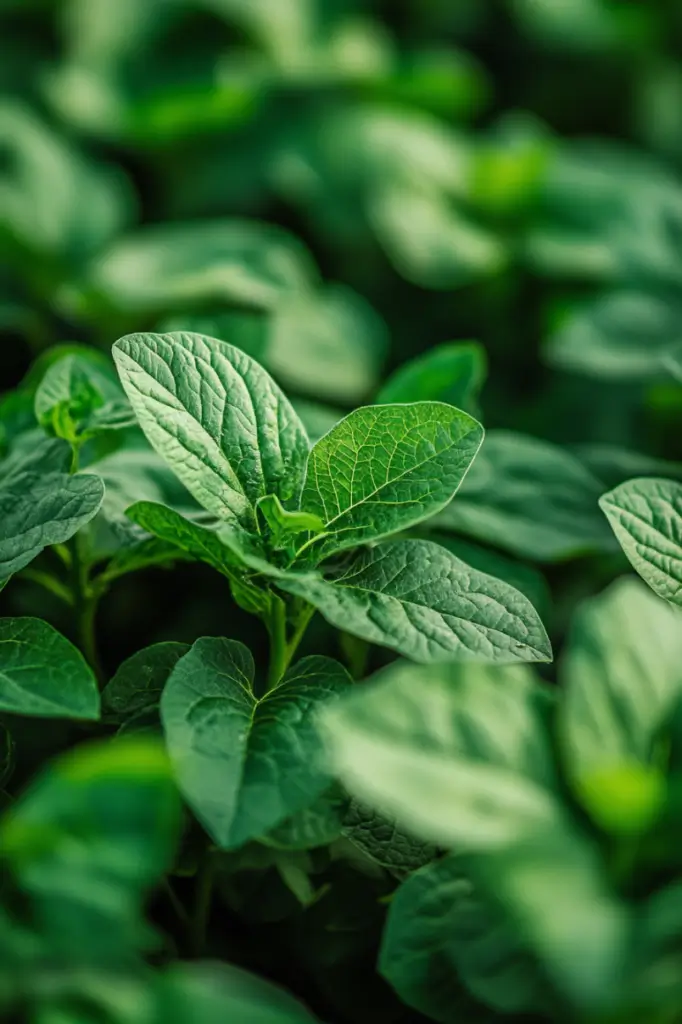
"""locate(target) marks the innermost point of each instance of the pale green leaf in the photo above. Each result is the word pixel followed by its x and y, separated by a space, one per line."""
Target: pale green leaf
pixel 422 601
pixel 38 510
pixel 42 674
pixel 385 468
pixel 246 764
pixel 452 373
pixel 646 517
pixel 457 755
pixel 217 418
pixel 621 675
pixel 168 266
pixel 530 498
pixel 622 335
pixel 442 932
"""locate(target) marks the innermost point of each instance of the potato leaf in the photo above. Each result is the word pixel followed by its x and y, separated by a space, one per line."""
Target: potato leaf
pixel 42 674
pixel 384 468
pixel 244 763
pixel 646 517
pixel 217 418
pixel 452 373
pixel 38 510
pixel 441 929
pixel 472 737
pixel 422 601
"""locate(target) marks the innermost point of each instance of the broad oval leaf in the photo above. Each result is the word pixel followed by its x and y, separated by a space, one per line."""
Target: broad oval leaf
pixel 138 683
pixel 530 498
pixel 621 676
pixel 420 600
pixel 442 931
pixel 38 510
pixel 646 517
pixel 386 467
pixel 457 755
pixel 217 418
pixel 42 674
pixel 246 764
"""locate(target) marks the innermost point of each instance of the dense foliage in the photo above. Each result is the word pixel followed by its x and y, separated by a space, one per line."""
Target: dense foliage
pixel 318 700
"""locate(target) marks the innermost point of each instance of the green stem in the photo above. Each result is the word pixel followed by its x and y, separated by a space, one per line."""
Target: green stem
pixel 55 586
pixel 277 627
pixel 176 903
pixel 85 601
pixel 202 904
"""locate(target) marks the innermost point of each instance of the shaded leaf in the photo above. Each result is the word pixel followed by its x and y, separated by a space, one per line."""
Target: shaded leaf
pixel 245 764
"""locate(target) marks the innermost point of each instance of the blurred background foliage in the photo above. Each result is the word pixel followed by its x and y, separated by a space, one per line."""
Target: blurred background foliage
pixel 340 187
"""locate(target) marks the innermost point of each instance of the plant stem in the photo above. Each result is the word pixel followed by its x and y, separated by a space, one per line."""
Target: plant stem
pixel 202 904
pixel 85 607
pixel 277 627
pixel 176 903
pixel 55 586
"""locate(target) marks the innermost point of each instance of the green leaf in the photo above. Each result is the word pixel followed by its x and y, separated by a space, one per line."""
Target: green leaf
pixel 218 993
pixel 646 517
pixel 200 543
pixel 173 265
pixel 385 468
pixel 382 840
pixel 457 755
pixel 217 418
pixel 284 525
pixel 6 754
pixel 621 681
pixel 452 373
pixel 554 893
pixel 314 826
pixel 38 510
pixel 525 578
pixel 441 929
pixel 330 344
pixel 530 498
pixel 138 682
pixel 622 335
pixel 78 397
pixel 87 841
pixel 245 764
pixel 42 674
pixel 429 241
pixel 417 598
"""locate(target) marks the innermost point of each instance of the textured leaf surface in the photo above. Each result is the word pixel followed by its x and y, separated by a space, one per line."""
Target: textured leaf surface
pixel 530 498
pixel 139 681
pixel 246 764
pixel 382 840
pixel 646 517
pixel 419 599
pixel 472 738
pixel 385 468
pixel 39 510
pixel 452 373
pixel 42 674
pixel 217 418
pixel 440 929
pixel 621 676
